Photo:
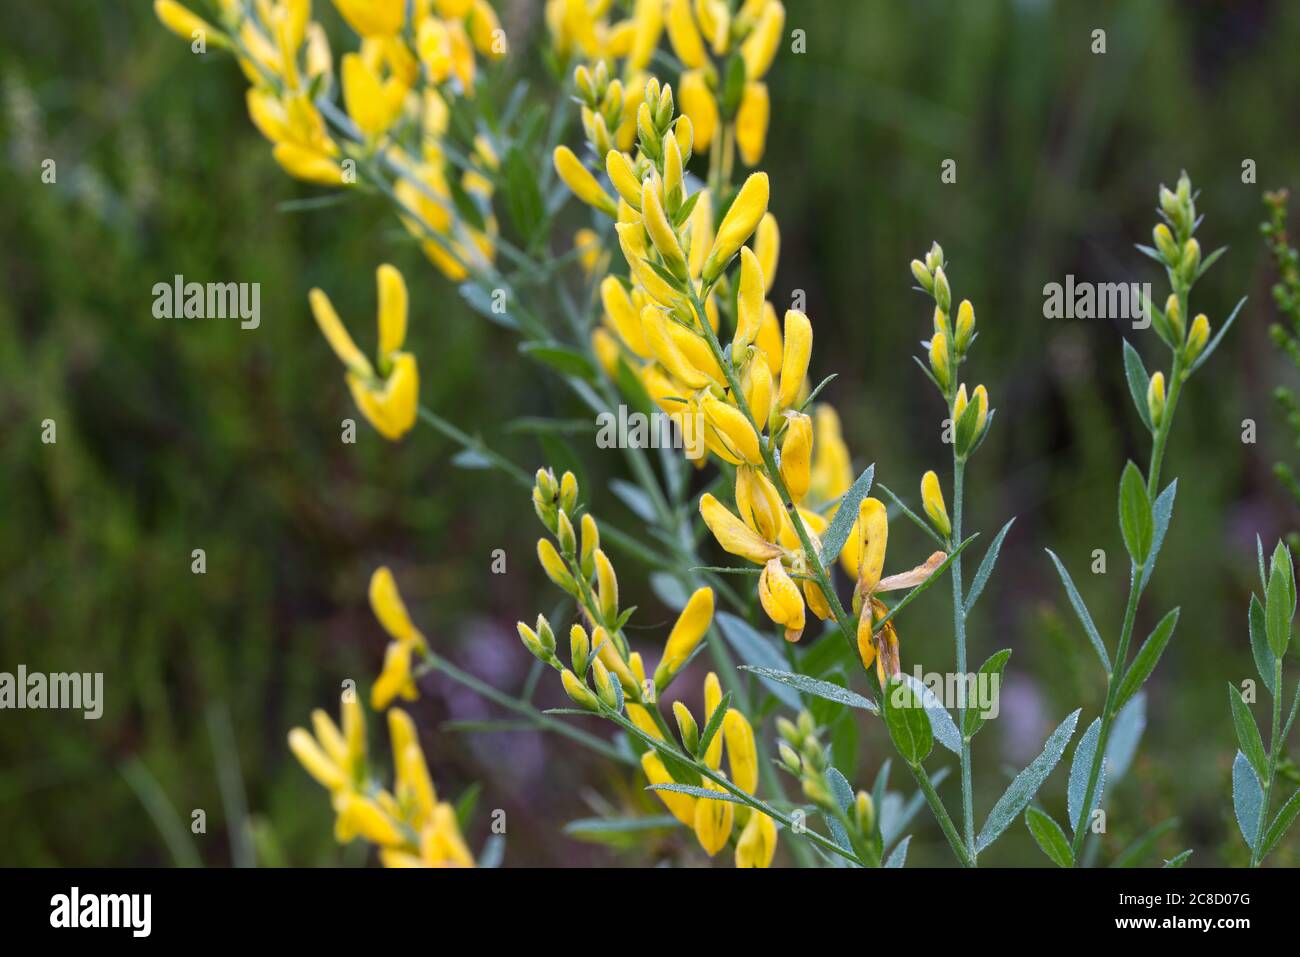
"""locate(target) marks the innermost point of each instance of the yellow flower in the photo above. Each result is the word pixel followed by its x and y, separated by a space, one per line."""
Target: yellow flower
pixel 395 679
pixel 648 24
pixel 760 46
pixel 1197 336
pixel 579 179
pixel 691 626
pixel 698 102
pixel 681 806
pixel 767 246
pixel 751 123
pixel 390 610
pixel 781 599
pixel 932 499
pixel 373 17
pixel 713 820
pixel 796 455
pixel 684 35
pixel 180 21
pixel 728 433
pixel 372 103
pixel 759 502
pixel 388 395
pixel 757 844
pixel 742 753
pixel 794 359
pixel 733 534
pixel 738 225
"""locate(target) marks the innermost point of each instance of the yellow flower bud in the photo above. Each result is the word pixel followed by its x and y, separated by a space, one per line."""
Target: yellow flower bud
pixel 578 692
pixel 781 599
pixel 981 400
pixel 1156 399
pixel 751 123
pixel 942 294
pixel 965 325
pixel 684 35
pixel 661 231
pixel 1197 336
pixel 686 726
pixel 554 566
pixel 796 455
pixel 759 502
pixel 606 586
pixel 932 499
pixel 579 649
pixel 794 358
pixel 371 104
pixel 665 348
pixel 623 176
pixel 691 626
pixel 941 359
pixel 767 247
pixel 1174 316
pixel 749 303
pixel 757 844
pixel 732 435
pixel 922 274
pixel 746 210
pixel 579 179
pixel 757 387
pixel 604 684
pixel 1165 243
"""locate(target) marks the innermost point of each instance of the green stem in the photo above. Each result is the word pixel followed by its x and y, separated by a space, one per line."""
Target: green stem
pixel 941 814
pixel 476 445
pixel 435 662
pixel 1274 749
pixel 959 635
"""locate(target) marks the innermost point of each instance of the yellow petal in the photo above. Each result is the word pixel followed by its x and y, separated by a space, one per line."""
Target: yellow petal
pixel 309 754
pixel 796 455
pixel 733 534
pixel 873 526
pixel 336 334
pixel 734 429
pixel 781 599
pixel 691 626
pixel 794 358
pixel 932 500
pixel 388 607
pixel 742 754
pixel 623 316
pixel 757 844
pixel 760 46
pixel 767 247
pixel 684 35
pixel 759 502
pixel 751 123
pixel 392 309
pixel 738 225
pixel 363 816
pixel 681 806
pixel 749 301
pixel 395 678
pixel 307 165
pixel 713 820
pixel 579 179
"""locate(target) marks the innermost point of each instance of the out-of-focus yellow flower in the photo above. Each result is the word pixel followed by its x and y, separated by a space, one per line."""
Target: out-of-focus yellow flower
pixel 395 679
pixel 760 46
pixel 757 844
pixel 303 148
pixel 713 820
pixel 387 394
pixel 699 103
pixel 579 179
pixel 684 35
pixel 182 22
pixel 372 103
pixel 373 17
pixel 751 123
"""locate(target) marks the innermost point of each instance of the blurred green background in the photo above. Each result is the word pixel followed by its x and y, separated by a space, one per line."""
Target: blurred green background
pixel 177 435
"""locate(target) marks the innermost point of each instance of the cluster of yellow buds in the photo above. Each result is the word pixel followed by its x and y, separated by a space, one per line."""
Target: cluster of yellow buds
pixel 408 823
pixel 947 349
pixel 583 29
pixel 1178 250
pixel 398 79
pixel 725 57
pixel 605 675
pixel 388 392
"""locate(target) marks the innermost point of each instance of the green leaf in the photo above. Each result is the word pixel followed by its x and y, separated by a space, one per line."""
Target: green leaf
pixel 1178 860
pixel 837 534
pixel 523 197
pixel 715 724
pixel 1247 732
pixel 986 566
pixel 1051 839
pixel 1081 610
pixel 1147 658
pixel 909 725
pixel 965 433
pixel 1162 510
pixel 1135 520
pixel 481 302
pixel 990 676
pixel 1279 601
pixel 941 723
pixel 815 686
pixel 618 832
pixel 1247 798
pixel 1265 660
pixel 635 498
pixel 1125 734
pixel 1080 768
pixel 1026 784
pixel 560 357
pixel 1214 343
pixel 1277 830
pixel 898 857
pixel 1138 381
pixel 754 649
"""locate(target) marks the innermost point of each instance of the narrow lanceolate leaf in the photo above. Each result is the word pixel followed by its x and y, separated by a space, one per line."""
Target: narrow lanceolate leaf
pixel 1081 610
pixel 1214 343
pixel 1138 380
pixel 1125 733
pixel 1265 660
pixel 1080 768
pixel 1147 658
pixel 1162 511
pixel 698 792
pixel 1247 732
pixel 898 857
pixel 1135 520
pixel 1051 839
pixel 715 724
pixel 846 514
pixel 815 686
pixel 1022 790
pixel 990 679
pixel 1247 797
pixel 1277 830
pixel 986 567
pixel 941 723
pixel 909 725
pixel 1178 860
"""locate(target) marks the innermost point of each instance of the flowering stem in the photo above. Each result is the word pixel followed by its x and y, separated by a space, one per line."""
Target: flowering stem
pixel 959 636
pixel 941 814
pixel 435 662
pixel 1274 749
